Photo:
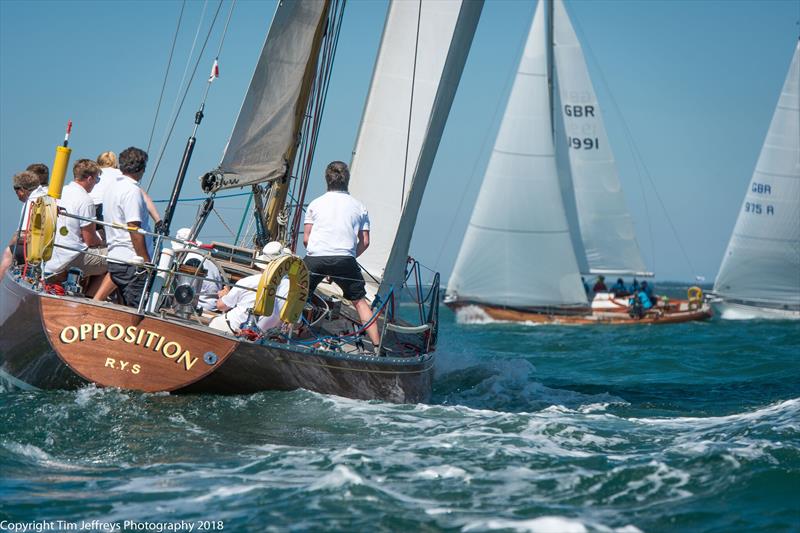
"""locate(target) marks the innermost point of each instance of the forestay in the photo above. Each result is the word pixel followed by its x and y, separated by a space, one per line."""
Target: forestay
pixel 409 68
pixel 606 226
pixel 264 138
pixel 517 250
pixel 762 262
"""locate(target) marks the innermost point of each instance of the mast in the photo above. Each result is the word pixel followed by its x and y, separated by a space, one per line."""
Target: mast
pixel 550 44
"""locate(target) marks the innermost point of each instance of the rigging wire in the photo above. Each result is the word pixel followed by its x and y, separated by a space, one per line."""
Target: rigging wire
pixel 183 99
pixel 320 97
pixel 411 104
pixel 166 76
pixel 638 157
pixel 173 112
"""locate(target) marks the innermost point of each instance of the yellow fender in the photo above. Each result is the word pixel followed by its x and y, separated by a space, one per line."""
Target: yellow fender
pixel 695 295
pixel 41 230
pixel 293 267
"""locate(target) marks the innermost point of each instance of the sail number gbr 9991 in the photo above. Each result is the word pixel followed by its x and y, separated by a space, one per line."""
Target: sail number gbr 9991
pixel 581 143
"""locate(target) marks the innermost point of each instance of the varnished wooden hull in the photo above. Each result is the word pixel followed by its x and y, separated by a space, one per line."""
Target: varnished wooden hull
pixel 53 342
pixel 541 317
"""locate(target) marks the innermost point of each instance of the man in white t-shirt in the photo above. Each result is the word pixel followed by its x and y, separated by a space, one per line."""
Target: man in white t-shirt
pixel 236 302
pixel 75 236
pixel 27 188
pixel 212 283
pixel 124 204
pixel 336 231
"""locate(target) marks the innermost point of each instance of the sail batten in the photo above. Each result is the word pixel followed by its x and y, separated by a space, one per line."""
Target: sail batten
pixel 762 261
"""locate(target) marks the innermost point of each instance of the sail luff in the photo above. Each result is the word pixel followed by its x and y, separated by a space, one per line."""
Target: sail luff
pixel 606 226
pixel 761 264
pixel 460 43
pixel 517 250
pixel 264 138
pixel 408 70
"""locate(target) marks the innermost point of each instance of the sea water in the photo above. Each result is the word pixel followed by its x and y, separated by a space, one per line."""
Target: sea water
pixel 686 427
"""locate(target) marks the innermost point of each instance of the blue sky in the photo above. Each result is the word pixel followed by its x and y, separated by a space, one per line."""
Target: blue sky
pixel 694 82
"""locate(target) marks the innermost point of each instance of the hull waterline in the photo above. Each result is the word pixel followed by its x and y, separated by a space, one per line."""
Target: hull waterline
pixel 506 314
pixel 738 311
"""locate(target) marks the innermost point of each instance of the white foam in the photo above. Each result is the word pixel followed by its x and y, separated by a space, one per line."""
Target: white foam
pixel 543 524
pixel 340 477
pixel 444 472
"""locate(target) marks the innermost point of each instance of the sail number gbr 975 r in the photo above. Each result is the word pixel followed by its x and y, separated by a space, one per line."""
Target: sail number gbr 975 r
pixel 581 143
pixel 757 208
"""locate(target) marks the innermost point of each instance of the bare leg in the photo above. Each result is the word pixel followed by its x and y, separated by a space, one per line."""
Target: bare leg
pixel 6 262
pixel 105 289
pixel 365 313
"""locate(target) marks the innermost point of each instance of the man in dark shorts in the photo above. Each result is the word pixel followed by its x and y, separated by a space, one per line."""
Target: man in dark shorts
pixel 336 231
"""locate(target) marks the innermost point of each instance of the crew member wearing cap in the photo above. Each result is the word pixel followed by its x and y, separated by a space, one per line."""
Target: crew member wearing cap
pixel 336 231
pixel 213 279
pixel 27 188
pixel 236 302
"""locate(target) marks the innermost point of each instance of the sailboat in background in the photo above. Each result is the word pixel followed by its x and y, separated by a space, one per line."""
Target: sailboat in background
pixel 58 339
pixel 760 272
pixel 551 206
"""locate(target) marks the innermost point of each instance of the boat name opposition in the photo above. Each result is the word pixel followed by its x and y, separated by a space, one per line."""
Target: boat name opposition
pixel 129 335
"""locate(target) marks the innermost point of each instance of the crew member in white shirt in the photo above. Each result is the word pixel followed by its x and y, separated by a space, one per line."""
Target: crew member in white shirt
pixel 124 204
pixel 27 188
pixel 237 301
pixel 109 174
pixel 212 283
pixel 75 236
pixel 336 231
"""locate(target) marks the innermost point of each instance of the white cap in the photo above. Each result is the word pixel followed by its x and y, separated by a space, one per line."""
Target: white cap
pixel 183 234
pixel 270 252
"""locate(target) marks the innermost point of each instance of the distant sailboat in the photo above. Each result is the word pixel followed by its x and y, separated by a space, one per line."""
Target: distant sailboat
pixel 551 206
pixel 760 272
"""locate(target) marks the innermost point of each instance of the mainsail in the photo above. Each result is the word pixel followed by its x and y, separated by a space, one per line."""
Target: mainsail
pixel 762 262
pixel 517 250
pixel 421 47
pixel 606 226
pixel 264 139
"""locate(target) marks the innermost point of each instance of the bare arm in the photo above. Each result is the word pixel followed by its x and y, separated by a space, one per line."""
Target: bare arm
pixel 220 304
pixel 151 207
pixel 307 233
pixel 363 241
pixel 139 245
pixel 90 237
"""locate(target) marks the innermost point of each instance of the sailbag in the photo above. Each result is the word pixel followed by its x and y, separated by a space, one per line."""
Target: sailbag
pixel 761 265
pixel 517 250
pixel 422 54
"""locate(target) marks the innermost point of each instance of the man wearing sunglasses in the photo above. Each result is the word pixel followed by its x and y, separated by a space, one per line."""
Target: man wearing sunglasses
pixel 27 188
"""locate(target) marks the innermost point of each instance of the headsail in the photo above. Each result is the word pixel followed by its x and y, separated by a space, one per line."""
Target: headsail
pixel 762 262
pixel 264 139
pixel 517 250
pixel 606 226
pixel 409 71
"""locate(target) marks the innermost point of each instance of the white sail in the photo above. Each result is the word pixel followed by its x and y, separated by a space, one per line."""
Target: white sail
pixel 264 138
pixel 517 250
pixel 606 226
pixel 762 263
pixel 407 74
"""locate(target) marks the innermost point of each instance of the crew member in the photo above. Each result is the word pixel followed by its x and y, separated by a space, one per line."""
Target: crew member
pixel 336 231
